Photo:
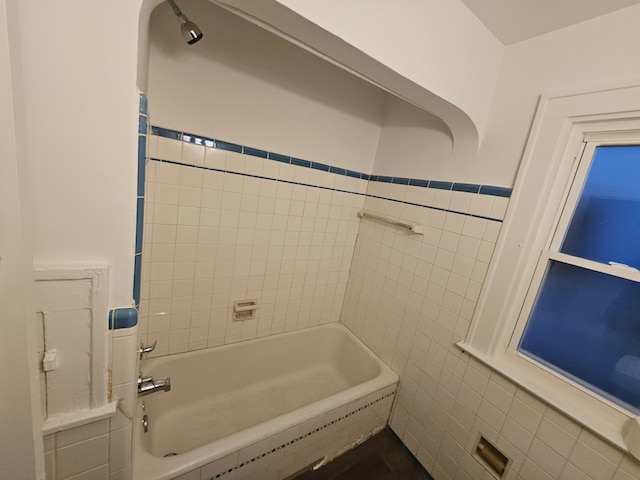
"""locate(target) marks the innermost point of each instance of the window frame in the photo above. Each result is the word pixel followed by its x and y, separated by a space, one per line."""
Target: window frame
pixel 566 128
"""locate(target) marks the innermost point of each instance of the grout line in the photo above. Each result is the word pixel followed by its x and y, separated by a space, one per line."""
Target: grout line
pixel 261 177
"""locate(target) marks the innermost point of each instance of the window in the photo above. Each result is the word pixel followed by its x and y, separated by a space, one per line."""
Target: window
pixel 559 313
pixel 582 313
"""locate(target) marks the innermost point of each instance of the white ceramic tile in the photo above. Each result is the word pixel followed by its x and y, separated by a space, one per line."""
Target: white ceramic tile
pixel 49 442
pixel 100 473
pixel 81 457
pixel 546 458
pixel 491 232
pixel 192 154
pixel 190 196
pixel 120 449
pixel 454 222
pixel 124 364
pixel 215 158
pixel 474 227
pixel 608 451
pixel 526 416
pixel 591 462
pixel 532 471
pixel 49 464
pixel 165 193
pixel 463 265
pixel 481 205
pixel 168 149
pixel 460 201
pixel 572 473
pixel 442 198
pixel 82 433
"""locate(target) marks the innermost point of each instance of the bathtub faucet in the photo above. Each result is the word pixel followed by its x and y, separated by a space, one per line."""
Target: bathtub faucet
pixel 147 385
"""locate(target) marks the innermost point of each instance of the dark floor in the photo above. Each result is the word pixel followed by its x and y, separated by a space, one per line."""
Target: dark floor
pixel 382 457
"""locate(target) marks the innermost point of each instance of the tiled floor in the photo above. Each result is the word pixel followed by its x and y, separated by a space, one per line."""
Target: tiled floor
pixel 382 457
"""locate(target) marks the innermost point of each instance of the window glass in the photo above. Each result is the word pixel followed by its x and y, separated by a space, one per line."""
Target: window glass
pixel 605 226
pixel 586 325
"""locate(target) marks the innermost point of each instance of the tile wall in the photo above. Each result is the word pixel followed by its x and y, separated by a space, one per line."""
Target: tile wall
pixel 100 449
pixel 227 223
pixel 410 298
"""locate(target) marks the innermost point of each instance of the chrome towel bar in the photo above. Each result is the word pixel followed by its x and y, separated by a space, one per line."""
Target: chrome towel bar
pixel 415 228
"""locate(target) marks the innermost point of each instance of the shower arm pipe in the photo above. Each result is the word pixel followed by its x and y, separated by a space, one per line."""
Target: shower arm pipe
pixel 178 13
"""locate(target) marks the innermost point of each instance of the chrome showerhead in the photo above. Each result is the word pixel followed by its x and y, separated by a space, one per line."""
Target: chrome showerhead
pixel 189 30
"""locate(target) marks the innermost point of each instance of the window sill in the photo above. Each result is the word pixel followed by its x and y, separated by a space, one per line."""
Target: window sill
pixel 607 421
pixel 75 419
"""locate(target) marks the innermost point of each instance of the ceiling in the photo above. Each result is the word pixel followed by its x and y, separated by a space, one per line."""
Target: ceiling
pixel 512 21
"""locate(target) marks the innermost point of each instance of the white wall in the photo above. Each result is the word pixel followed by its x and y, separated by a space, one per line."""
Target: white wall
pixel 244 85
pixel 587 56
pixel 439 44
pixel 407 51
pixel 81 104
pixel 20 444
pixel 413 143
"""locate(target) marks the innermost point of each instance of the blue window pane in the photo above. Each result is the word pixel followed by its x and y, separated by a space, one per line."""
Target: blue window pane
pixel 606 223
pixel 586 325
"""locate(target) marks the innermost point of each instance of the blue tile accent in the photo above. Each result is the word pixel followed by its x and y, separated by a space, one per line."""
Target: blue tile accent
pixel 418 183
pixel 137 278
pixel 144 105
pixel 320 166
pixel 440 185
pixel 198 140
pixel 400 181
pixel 496 191
pixel 466 187
pixel 279 158
pixel 461 187
pixel 142 124
pixel 122 318
pixel 232 147
pixel 301 163
pixel 255 152
pixel 139 224
pixel 142 157
pixel 166 133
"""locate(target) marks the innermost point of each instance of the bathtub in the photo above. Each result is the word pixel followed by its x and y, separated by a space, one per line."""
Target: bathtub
pixel 261 409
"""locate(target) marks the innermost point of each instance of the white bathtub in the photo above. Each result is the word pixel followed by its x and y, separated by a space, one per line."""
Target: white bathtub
pixel 263 408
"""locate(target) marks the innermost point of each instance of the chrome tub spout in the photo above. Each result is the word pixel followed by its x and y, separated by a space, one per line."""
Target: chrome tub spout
pixel 148 385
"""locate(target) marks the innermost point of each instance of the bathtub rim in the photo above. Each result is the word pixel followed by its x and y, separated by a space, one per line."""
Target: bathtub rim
pixel 148 466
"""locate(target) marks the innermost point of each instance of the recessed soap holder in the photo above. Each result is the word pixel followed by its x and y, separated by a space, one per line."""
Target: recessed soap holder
pixel 245 309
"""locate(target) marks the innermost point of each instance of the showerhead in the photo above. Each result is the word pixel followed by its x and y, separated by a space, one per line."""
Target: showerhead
pixel 189 30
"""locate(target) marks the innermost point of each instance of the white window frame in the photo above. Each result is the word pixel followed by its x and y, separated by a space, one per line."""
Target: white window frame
pixel 562 126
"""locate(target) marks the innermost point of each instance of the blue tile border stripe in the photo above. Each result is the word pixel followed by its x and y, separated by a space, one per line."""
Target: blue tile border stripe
pixel 495 191
pixel 122 318
pixel 302 184
pixel 415 182
pixel 143 129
